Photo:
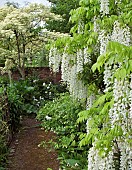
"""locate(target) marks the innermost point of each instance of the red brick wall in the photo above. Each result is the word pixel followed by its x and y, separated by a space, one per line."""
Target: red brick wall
pixel 43 73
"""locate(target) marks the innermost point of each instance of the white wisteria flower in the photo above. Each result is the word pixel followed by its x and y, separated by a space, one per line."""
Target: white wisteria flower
pixel 104 6
pixel 48 117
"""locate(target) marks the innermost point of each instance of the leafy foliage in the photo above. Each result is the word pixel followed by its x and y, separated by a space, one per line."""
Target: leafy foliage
pixel 97 116
pixel 98 26
pixel 3 129
pixel 60 116
pixel 23 98
pixel 23 34
pixel 62 8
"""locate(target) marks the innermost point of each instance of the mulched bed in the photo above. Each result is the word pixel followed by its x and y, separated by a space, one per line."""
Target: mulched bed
pixel 24 151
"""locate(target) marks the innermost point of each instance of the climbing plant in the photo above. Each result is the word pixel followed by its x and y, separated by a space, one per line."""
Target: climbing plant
pixel 96 64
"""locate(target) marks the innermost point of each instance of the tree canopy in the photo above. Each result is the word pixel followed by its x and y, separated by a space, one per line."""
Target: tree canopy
pixel 23 34
pixel 62 8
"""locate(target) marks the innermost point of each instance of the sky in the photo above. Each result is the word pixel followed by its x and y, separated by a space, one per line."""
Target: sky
pixel 22 2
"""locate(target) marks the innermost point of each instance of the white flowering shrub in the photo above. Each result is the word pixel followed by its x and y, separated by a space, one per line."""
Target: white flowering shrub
pixel 102 38
pixel 23 35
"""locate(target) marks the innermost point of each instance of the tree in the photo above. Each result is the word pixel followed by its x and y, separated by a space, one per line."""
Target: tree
pixel 23 34
pixel 62 8
pixel 14 4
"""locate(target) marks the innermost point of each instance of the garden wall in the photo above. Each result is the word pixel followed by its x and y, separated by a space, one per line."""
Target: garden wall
pixel 43 73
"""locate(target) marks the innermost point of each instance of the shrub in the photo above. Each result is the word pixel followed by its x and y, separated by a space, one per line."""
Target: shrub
pixel 3 131
pixel 60 116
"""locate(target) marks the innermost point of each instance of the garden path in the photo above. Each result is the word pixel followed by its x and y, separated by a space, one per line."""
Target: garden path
pixel 24 151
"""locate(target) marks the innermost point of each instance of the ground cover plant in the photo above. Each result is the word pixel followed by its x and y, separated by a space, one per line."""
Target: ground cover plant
pixel 60 116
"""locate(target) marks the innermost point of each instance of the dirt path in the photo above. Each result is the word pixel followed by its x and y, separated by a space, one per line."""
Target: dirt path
pixel 25 153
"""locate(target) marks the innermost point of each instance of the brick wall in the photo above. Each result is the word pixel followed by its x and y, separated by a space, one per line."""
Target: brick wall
pixel 43 73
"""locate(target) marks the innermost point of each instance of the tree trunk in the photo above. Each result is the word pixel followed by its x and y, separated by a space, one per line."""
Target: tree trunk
pixel 22 72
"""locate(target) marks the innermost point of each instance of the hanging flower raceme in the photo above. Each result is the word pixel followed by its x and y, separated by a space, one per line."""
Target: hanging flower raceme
pixel 121 34
pixel 65 67
pixel 80 62
pixel 96 25
pixel 76 87
pixel 130 99
pixel 126 156
pixel 89 104
pixel 119 113
pixel 87 58
pixel 104 6
pixel 54 59
pixel 95 162
pixel 107 77
pixel 104 38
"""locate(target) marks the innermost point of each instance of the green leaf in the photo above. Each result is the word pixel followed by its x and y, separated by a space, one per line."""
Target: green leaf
pixel 120 74
pixel 100 100
pixel 83 115
pixel 116 131
pixel 94 67
pixel 129 69
pixel 72 162
pixel 107 106
pixel 86 140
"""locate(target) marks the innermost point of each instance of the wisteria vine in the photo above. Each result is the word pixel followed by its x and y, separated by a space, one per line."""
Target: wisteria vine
pixel 120 114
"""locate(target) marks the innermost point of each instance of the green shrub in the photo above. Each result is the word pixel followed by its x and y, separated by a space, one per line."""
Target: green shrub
pixel 24 97
pixel 60 116
pixel 3 131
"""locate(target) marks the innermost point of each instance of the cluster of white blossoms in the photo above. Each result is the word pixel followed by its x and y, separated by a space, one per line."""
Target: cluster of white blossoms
pixel 96 25
pixel 120 34
pixel 104 6
pixel 80 61
pixel 95 162
pixel 65 66
pixel 126 156
pixel 107 77
pixel 87 58
pixel 119 113
pixel 82 57
pixel 76 87
pixel 89 104
pixel 54 59
pixel 104 38
pixel 70 70
pixel 130 98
